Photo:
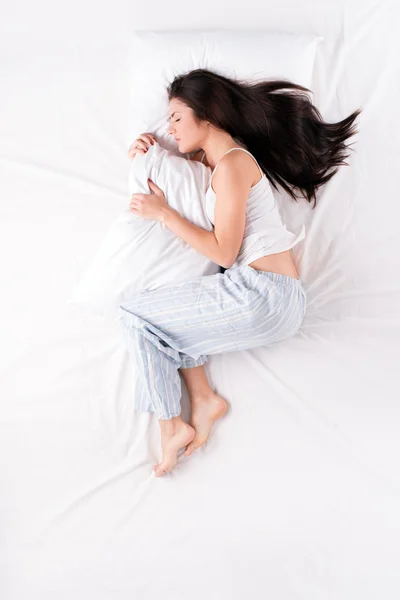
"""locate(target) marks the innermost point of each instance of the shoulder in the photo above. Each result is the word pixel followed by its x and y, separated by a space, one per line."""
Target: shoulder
pixel 236 168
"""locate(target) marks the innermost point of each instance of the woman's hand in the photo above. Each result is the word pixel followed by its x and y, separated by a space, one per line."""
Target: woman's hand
pixel 149 206
pixel 141 144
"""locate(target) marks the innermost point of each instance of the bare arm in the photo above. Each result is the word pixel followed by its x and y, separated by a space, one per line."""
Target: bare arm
pixel 232 185
pixel 200 239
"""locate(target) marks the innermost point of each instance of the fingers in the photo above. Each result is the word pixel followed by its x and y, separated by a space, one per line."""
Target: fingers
pixel 148 137
pixel 133 151
pixel 141 144
pixel 145 140
pixel 136 149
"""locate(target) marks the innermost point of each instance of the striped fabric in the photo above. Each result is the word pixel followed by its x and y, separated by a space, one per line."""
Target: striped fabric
pixel 177 326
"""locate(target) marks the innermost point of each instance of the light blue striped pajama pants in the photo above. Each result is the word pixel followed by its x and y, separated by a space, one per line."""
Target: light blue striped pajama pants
pixel 178 325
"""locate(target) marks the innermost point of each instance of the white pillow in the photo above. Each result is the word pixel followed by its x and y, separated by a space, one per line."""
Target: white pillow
pixel 139 253
pixel 158 56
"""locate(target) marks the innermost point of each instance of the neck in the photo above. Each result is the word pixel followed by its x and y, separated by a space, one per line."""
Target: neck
pixel 216 147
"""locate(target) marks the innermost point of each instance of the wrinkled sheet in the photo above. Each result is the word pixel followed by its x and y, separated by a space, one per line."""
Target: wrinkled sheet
pixel 296 494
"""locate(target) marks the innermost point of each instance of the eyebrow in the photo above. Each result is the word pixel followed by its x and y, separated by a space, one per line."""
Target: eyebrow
pixel 173 114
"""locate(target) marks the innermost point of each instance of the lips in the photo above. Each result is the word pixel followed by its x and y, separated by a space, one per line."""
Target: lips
pixel 178 140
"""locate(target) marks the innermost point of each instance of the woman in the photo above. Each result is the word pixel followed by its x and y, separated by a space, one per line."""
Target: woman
pixel 257 135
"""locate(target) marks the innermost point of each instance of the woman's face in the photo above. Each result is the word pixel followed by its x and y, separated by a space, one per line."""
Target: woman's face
pixel 187 131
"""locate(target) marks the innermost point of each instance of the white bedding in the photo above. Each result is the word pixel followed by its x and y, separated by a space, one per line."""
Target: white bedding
pixel 138 254
pixel 297 493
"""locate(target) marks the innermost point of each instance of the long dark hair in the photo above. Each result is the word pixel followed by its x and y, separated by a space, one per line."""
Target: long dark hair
pixel 285 131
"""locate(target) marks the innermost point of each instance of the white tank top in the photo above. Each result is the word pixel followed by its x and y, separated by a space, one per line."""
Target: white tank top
pixel 264 231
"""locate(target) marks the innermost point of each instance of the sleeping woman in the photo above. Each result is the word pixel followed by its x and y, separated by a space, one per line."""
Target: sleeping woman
pixel 253 136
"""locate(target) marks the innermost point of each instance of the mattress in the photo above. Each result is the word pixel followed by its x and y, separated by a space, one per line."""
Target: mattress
pixel 296 493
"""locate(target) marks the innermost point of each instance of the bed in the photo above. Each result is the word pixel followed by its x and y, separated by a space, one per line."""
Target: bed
pixel 296 494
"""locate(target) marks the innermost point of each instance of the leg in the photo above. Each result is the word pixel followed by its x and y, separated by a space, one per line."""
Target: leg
pixel 157 385
pixel 207 406
pixel 196 382
pixel 142 395
pixel 165 328
pixel 175 433
pixel 177 326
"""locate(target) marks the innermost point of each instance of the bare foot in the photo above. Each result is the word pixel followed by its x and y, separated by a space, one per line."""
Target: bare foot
pixel 175 434
pixel 205 411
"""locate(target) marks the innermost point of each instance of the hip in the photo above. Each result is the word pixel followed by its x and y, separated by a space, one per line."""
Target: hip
pixel 270 295
pixel 281 263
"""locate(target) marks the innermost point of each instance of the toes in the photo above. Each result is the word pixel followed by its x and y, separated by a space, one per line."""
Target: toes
pixel 160 470
pixel 191 448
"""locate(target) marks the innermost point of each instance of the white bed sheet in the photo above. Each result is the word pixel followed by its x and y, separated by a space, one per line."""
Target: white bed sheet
pixel 296 495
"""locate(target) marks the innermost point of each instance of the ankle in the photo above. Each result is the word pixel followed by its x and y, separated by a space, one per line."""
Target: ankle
pixel 170 426
pixel 203 397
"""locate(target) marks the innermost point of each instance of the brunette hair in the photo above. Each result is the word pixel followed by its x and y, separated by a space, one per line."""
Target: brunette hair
pixel 283 129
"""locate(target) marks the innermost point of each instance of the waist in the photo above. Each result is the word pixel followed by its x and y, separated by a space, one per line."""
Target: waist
pixel 281 263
